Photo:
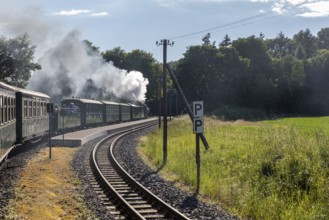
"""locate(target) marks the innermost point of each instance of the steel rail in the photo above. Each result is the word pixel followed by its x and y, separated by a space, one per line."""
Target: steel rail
pixel 158 204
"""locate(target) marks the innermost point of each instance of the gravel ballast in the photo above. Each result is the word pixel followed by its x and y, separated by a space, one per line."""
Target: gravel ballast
pixel 126 154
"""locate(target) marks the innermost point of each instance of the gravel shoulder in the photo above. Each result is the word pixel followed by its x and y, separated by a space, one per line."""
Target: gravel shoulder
pixel 48 188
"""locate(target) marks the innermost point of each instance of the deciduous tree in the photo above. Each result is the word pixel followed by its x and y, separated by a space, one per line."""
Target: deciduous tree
pixel 16 60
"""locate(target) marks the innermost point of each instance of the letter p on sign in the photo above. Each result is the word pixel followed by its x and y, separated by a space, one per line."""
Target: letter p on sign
pixel 198 109
pixel 198 117
pixel 198 125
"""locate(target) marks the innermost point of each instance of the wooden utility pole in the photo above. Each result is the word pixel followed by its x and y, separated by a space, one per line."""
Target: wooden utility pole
pixel 165 43
pixel 183 98
pixel 159 99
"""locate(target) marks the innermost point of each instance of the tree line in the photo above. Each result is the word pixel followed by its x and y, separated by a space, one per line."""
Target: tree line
pixel 251 77
pixel 255 77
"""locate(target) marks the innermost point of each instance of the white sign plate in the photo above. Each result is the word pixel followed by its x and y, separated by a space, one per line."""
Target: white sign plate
pixel 198 125
pixel 197 109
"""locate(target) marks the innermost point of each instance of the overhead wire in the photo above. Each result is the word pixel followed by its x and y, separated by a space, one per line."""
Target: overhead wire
pixel 235 24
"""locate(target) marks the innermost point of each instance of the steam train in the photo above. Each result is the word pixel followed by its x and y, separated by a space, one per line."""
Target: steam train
pixel 24 115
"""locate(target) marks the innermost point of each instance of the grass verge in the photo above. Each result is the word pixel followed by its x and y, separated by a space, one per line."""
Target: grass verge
pixel 260 170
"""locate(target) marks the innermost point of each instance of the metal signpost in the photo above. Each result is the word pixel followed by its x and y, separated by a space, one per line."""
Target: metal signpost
pixel 63 114
pixel 198 128
pixel 50 110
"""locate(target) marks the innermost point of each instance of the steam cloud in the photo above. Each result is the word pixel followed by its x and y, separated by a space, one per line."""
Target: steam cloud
pixel 70 69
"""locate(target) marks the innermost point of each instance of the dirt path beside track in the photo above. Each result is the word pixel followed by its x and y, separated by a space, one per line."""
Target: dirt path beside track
pixel 48 188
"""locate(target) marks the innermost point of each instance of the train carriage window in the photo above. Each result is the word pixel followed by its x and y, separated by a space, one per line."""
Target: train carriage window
pixel 44 108
pixel 11 109
pixel 8 109
pixel 34 109
pixel 25 109
pixel 41 108
pixel 1 110
pixel 38 108
pixel 5 109
pixel 30 108
pixel 14 108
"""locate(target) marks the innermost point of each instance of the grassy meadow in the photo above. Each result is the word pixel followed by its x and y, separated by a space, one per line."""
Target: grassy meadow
pixel 257 170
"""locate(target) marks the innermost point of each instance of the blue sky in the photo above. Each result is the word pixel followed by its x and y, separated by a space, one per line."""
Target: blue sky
pixel 138 24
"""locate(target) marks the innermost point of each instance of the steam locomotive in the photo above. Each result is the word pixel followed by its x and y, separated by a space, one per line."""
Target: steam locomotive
pixel 24 115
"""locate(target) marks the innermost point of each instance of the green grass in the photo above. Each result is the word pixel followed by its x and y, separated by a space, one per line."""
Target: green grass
pixel 261 170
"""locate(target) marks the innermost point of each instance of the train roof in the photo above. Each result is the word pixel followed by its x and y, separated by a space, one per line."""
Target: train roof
pixel 7 87
pixel 32 93
pixel 87 101
pixel 109 102
pixel 125 104
pixel 24 91
pixel 134 105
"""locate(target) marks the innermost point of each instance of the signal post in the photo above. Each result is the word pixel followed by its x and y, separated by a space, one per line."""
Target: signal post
pixel 198 128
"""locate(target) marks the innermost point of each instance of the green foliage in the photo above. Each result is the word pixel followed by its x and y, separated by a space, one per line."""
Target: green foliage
pixel 280 46
pixel 16 60
pixel 306 42
pixel 138 60
pixel 274 76
pixel 266 170
pixel 231 113
pixel 323 38
pixel 317 78
pixel 225 42
pixel 117 56
pixel 289 84
pixel 198 70
pixel 91 48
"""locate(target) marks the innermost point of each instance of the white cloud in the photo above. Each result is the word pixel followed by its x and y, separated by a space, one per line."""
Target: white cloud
pixel 99 14
pixel 72 12
pixel 75 12
pixel 304 8
pixel 317 9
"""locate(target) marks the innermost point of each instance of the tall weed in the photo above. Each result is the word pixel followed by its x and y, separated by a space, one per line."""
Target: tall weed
pixel 267 170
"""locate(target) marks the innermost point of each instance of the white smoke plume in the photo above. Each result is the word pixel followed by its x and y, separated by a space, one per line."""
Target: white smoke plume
pixel 42 30
pixel 69 69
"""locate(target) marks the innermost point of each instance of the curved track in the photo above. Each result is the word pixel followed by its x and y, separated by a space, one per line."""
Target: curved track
pixel 124 196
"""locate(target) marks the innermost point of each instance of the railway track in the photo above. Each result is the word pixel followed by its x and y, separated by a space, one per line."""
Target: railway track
pixel 120 193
